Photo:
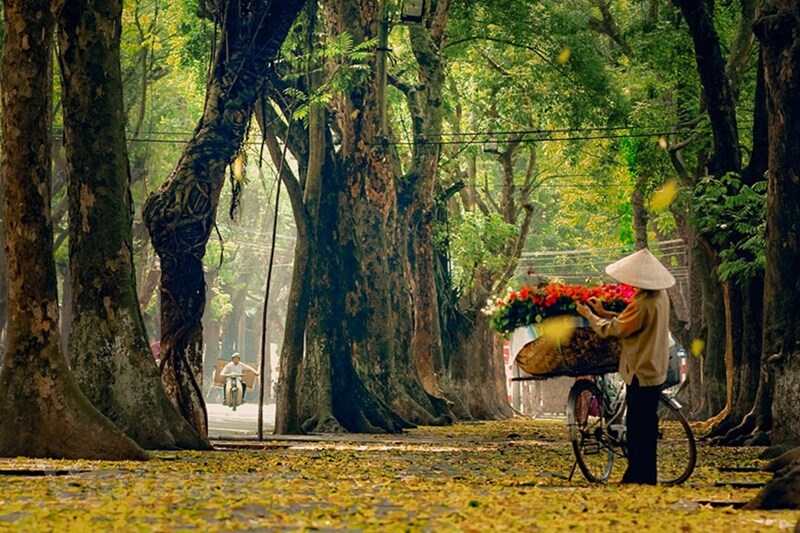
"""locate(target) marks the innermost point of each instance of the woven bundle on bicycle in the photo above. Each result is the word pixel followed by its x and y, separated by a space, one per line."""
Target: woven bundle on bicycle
pixel 584 353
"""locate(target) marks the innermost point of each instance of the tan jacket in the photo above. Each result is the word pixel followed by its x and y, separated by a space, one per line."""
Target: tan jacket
pixel 644 329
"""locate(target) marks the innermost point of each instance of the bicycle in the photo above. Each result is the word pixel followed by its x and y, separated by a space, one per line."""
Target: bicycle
pixel 596 421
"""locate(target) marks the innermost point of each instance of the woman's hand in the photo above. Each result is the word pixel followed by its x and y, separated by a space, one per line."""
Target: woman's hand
pixel 596 305
pixel 583 310
pixel 599 310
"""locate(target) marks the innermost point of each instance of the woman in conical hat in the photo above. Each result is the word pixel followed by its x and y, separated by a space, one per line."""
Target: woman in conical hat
pixel 643 328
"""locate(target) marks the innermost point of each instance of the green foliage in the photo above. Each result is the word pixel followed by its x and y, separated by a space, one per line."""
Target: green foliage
pixel 353 68
pixel 479 241
pixel 507 72
pixel 196 42
pixel 732 216
pixel 221 305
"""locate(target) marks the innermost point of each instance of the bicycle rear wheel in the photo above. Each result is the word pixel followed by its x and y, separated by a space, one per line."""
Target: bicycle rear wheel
pixel 676 449
pixel 586 420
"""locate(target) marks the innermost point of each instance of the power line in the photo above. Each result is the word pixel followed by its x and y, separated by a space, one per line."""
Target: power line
pixel 542 134
pixel 660 244
pixel 551 130
pixel 541 138
pixel 583 264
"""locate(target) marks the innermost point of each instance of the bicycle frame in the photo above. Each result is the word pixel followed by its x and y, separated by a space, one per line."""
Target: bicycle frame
pixel 596 418
pixel 615 401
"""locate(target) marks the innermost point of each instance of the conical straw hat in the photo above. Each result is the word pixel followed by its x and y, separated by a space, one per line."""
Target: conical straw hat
pixel 643 270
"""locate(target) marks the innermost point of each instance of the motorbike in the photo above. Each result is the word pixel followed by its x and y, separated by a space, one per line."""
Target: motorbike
pixel 233 391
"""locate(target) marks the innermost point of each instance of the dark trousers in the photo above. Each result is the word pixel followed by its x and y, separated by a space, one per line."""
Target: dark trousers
pixel 642 422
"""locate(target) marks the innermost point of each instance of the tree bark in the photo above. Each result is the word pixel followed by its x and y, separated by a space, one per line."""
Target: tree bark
pixel 748 367
pixel 3 278
pixel 726 155
pixel 355 332
pixel 304 203
pixel 719 96
pixel 42 411
pixel 713 364
pixel 746 397
pixel 778 29
pixel 108 345
pixel 181 214
pixel 640 217
pixel 480 380
pixel 425 102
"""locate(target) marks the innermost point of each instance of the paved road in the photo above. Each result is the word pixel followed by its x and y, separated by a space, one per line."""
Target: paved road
pixel 225 423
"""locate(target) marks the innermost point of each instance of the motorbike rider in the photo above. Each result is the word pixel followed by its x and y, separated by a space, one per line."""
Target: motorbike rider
pixel 237 368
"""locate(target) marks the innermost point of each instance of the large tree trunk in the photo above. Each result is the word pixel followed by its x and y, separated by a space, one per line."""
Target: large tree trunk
pixel 304 203
pixel 472 357
pixel 42 411
pixel 3 279
pixel 739 423
pixel 725 157
pixel 748 368
pixel 778 28
pixel 713 364
pixel 108 345
pixel 427 43
pixel 346 329
pixel 353 333
pixel 181 214
pixel 479 377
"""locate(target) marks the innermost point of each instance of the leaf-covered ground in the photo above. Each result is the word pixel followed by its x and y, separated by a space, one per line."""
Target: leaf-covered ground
pixel 503 476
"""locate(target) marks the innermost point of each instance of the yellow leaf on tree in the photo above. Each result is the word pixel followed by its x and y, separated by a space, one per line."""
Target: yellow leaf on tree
pixel 664 196
pixel 564 56
pixel 238 167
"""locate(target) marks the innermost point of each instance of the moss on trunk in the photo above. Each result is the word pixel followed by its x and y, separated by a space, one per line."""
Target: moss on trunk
pixel 108 345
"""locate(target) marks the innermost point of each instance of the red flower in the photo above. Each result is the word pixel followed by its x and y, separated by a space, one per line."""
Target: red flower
pixel 520 307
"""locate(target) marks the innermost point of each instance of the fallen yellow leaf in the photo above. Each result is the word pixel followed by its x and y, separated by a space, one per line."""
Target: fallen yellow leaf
pixel 558 329
pixel 664 196
pixel 697 347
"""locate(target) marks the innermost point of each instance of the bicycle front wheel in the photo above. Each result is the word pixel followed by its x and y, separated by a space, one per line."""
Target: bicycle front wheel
pixel 586 420
pixel 676 449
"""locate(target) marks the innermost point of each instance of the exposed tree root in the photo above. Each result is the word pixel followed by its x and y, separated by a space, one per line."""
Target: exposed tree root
pixel 719 433
pixel 757 438
pixel 784 460
pixel 782 492
pixel 55 420
pixel 326 424
pixel 737 435
pixel 707 425
pixel 778 450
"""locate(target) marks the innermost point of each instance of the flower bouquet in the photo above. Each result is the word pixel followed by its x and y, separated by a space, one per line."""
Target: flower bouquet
pixel 548 337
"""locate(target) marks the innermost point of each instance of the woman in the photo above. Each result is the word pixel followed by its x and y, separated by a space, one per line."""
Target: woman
pixel 643 328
